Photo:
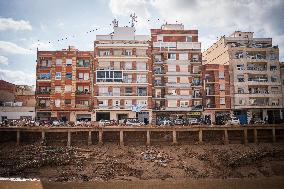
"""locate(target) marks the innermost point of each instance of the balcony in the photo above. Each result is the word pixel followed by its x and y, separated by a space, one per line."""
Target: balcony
pixel 209 79
pixel 178 85
pixel 173 97
pixel 197 108
pixel 43 92
pixel 180 108
pixel 82 92
pixel 82 106
pixel 158 83
pixel 42 106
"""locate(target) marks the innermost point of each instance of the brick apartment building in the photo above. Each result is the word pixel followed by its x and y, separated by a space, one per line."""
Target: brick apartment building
pixel 64 84
pixel 16 101
pixel 216 95
pixel 177 87
pixel 123 76
pixel 254 69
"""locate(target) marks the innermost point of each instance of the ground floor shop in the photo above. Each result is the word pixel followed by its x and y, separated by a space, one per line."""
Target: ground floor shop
pixel 117 115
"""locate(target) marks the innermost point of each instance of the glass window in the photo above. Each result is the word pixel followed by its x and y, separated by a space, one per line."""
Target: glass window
pixel 273 79
pixel 171 68
pixel 172 79
pixel 195 69
pixel 184 103
pixel 188 38
pixel 68 62
pixel 183 68
pixel 128 90
pixel 57 103
pixel 127 103
pixel 69 76
pixel 183 56
pixel 172 56
pixel 222 101
pixel 58 62
pixel 141 66
pixel 86 76
pixel 67 101
pixel 128 65
pixel 141 79
pixel 58 76
pixel 184 80
pixel 68 88
pixel 172 103
pixel 222 87
pixel 80 76
pixel 221 75
pixel 58 89
pixel 44 76
pixel 80 88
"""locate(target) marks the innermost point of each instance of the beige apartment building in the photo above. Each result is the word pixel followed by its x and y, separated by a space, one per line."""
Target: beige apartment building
pixel 122 78
pixel 254 69
pixel 176 55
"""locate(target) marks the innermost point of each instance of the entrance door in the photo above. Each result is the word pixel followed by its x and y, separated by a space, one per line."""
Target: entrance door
pixel 102 116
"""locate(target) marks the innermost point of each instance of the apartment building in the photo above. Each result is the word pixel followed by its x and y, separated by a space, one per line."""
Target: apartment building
pixel 254 70
pixel 177 83
pixel 64 84
pixel 216 95
pixel 282 82
pixel 123 76
pixel 16 101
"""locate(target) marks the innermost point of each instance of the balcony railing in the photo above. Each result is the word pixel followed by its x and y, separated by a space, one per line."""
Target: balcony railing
pixel 81 106
pixel 43 92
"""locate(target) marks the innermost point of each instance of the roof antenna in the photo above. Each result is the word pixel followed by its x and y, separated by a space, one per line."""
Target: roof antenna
pixel 133 19
pixel 115 23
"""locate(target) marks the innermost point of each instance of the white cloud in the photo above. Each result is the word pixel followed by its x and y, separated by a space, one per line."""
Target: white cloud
pixel 17 77
pixel 127 7
pixel 10 23
pixel 12 48
pixel 214 18
pixel 44 46
pixel 3 60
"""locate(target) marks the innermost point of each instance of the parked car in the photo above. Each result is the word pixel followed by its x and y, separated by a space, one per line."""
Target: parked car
pixel 165 122
pixel 178 122
pixel 103 122
pixel 57 123
pixel 233 121
pixel 192 121
pixel 134 122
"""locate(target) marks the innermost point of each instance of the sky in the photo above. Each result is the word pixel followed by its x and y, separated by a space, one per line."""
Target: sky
pixel 26 25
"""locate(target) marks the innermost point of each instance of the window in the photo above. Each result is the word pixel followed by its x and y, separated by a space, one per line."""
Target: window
pixel 116 91
pixel 159 38
pixel 240 78
pixel 57 89
pixel 103 103
pixel 184 92
pixel 141 79
pixel 58 62
pixel 109 76
pixel 273 79
pixel 222 101
pixel 103 91
pixel 83 63
pixel 128 53
pixel 67 101
pixel 127 103
pixel 183 56
pixel 241 91
pixel 172 103
pixel 68 88
pixel 104 53
pixel 86 76
pixel 44 76
pixel 81 76
pixel 184 104
pixel 241 101
pixel 127 78
pixel 183 68
pixel 221 75
pixel 141 52
pixel 195 58
pixel 172 56
pixel 158 58
pixel 142 91
pixel 116 103
pixel 80 88
pixel 142 102
pixel 69 76
pixel 58 76
pixel 141 66
pixel 128 65
pixel 222 87
pixel 240 67
pixel 273 68
pixel 184 80
pixel 57 103
pixel 172 79
pixel 116 65
pixel 68 62
pixel 188 38
pixel 195 69
pixel 128 91
pixel 171 68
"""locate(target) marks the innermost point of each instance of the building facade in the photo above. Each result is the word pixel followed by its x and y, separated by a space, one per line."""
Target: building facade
pixel 176 55
pixel 123 76
pixel 16 101
pixel 64 85
pixel 254 70
pixel 216 95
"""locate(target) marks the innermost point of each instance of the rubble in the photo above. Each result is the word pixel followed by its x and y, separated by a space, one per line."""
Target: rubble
pixel 160 158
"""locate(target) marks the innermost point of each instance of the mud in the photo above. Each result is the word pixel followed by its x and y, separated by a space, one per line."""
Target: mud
pixel 110 162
